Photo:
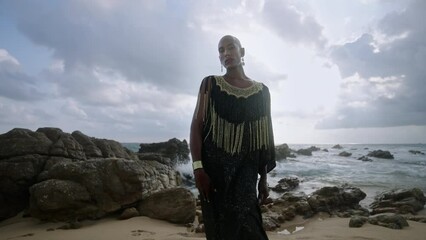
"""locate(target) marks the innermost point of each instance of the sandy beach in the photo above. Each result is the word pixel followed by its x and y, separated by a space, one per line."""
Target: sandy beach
pixel 318 227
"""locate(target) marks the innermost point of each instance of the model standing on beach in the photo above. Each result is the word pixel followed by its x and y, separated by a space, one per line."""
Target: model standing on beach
pixel 232 144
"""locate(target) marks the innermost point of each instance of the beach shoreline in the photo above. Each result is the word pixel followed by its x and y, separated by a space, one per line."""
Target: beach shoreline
pixel 318 227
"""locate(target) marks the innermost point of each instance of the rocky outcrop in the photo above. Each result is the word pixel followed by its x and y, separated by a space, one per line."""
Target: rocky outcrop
pixel 345 154
pixel 337 146
pixel 337 199
pixel 174 205
pixel 304 152
pixel 380 154
pixel 401 201
pixel 415 152
pixel 286 184
pixel 282 152
pixel 174 149
pixel 63 176
pixel 365 159
pixel 393 221
pixel 342 201
pixel 96 187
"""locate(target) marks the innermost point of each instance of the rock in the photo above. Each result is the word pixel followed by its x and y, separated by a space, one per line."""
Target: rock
pixel 90 148
pixel 401 201
pixel 357 221
pixel 286 184
pixel 63 144
pixel 333 199
pixel 20 142
pixel 365 159
pixel 314 149
pixel 421 219
pixel 345 154
pixel 325 150
pixel 129 213
pixel 175 205
pixel 111 185
pixel 17 174
pixel 287 207
pixel 60 200
pixel 415 152
pixel 174 149
pixel 380 154
pixel 111 148
pixel 305 152
pixel 282 152
pixel 393 221
pixel 337 147
pixel 155 157
pixel 28 157
pixel 270 223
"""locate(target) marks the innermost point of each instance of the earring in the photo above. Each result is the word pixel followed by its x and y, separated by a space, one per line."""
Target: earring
pixel 221 68
pixel 242 61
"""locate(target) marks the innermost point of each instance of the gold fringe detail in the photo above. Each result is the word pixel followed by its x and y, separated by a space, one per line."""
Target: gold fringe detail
pixel 229 136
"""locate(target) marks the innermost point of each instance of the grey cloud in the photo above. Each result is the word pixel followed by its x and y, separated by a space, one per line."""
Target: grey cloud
pixel 144 40
pixel 292 25
pixel 402 56
pixel 17 85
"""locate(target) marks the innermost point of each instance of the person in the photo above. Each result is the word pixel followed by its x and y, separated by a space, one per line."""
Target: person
pixel 232 143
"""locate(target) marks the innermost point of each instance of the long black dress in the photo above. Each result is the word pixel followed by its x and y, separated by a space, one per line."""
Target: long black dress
pixel 237 143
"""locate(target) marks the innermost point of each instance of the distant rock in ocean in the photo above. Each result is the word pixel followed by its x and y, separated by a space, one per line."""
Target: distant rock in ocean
pixel 337 146
pixel 380 154
pixel 62 176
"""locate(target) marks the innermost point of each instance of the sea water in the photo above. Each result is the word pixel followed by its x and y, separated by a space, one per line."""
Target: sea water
pixel 327 168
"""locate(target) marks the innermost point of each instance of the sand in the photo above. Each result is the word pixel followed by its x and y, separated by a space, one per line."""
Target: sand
pixel 143 228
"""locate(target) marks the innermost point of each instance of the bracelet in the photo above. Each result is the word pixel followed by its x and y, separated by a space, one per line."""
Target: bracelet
pixel 197 165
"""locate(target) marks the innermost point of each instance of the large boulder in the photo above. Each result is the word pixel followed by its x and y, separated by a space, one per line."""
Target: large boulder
pixel 176 205
pixel 112 175
pixel 337 199
pixel 399 201
pixel 97 187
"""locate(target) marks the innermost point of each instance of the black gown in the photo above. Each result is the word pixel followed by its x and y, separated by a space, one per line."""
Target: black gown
pixel 237 143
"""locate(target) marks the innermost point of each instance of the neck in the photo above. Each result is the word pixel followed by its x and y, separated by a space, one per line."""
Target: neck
pixel 236 73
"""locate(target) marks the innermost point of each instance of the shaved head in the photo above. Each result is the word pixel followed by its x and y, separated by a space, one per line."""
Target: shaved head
pixel 236 40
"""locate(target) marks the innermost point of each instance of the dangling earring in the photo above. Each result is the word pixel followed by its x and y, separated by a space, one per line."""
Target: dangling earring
pixel 221 68
pixel 242 61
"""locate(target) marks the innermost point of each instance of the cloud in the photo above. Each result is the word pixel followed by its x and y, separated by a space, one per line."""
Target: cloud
pixel 384 74
pixel 15 84
pixel 145 41
pixel 292 24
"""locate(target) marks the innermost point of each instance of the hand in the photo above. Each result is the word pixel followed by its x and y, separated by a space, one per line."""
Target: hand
pixel 202 182
pixel 262 187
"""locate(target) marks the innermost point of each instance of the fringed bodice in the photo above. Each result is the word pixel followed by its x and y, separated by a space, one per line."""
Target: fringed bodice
pixel 237 119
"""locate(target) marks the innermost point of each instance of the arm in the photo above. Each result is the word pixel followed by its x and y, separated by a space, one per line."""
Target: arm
pixel 202 180
pixel 268 154
pixel 262 186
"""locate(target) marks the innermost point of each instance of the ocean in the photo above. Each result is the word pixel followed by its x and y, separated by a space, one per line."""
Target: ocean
pixel 406 170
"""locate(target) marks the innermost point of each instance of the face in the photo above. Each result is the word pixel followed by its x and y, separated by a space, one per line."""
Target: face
pixel 230 52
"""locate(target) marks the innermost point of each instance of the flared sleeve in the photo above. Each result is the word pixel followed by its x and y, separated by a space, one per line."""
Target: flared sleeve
pixel 268 153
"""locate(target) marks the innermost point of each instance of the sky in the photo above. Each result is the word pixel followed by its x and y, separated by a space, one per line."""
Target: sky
pixel 348 71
